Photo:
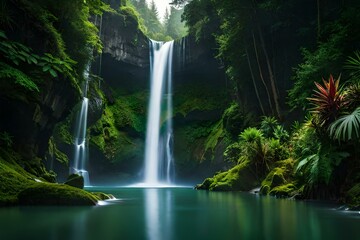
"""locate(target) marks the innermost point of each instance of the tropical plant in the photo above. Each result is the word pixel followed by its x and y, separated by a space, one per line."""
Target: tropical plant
pixel 281 134
pixel 268 126
pixel 254 149
pixel 232 153
pixel 317 168
pixel 327 101
pixel 347 127
pixel 352 96
pixel 6 139
pixel 353 64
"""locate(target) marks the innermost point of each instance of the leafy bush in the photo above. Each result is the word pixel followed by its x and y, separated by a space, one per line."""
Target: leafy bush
pixel 268 126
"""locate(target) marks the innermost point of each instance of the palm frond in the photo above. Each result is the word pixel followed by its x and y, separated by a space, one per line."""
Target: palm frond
pixel 346 127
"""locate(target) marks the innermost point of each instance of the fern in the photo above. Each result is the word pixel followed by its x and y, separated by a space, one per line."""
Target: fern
pixel 8 72
pixel 346 127
pixel 318 168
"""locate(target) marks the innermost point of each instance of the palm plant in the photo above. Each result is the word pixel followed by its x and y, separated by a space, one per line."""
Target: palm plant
pixel 281 134
pixel 252 147
pixel 346 127
pixel 353 64
pixel 268 125
pixel 327 101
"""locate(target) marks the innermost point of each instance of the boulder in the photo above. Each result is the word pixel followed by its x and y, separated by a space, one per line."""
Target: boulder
pixel 75 180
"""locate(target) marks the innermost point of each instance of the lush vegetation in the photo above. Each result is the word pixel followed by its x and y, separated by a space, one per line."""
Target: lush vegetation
pixel 161 28
pixel 314 159
pixel 272 53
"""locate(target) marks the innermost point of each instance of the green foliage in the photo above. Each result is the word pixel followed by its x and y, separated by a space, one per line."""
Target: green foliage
pixel 6 139
pixel 347 127
pixel 252 136
pixel 318 168
pixel 238 178
pixel 16 53
pixel 326 58
pixel 54 152
pixel 268 126
pixel 214 137
pixel 353 64
pixel 173 25
pixel 236 119
pixel 148 19
pixel 353 196
pixel 9 73
pixel 281 134
pixel 232 153
pixel 304 141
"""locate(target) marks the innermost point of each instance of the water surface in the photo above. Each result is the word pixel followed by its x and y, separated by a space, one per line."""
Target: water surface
pixel 181 213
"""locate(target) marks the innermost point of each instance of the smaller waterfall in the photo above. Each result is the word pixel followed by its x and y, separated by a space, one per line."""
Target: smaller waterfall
pixel 81 148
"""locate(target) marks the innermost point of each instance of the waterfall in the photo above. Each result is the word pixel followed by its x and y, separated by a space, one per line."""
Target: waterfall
pixel 81 149
pixel 159 162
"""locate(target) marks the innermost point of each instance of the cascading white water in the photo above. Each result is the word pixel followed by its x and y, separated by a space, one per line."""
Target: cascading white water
pixel 159 164
pixel 81 149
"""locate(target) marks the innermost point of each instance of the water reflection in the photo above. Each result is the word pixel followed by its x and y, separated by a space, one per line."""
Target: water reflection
pixel 158 208
pixel 173 213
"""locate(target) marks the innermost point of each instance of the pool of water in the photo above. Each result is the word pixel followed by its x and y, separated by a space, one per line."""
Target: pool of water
pixel 181 213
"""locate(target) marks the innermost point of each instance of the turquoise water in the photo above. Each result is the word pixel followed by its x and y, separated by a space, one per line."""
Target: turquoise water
pixel 181 213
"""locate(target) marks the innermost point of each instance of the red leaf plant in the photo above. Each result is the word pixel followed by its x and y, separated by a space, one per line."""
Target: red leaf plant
pixel 327 101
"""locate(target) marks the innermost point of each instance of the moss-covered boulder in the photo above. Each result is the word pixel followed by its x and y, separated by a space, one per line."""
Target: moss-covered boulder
pixel 353 197
pixel 238 178
pixel 279 179
pixel 75 180
pixel 55 194
pixel 287 190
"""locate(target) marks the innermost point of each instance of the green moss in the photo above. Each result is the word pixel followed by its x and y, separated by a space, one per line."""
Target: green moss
pixel 216 134
pixel 286 190
pixel 238 178
pixel 102 196
pixel 55 194
pixel 280 180
pixel 55 152
pixel 19 187
pixel 353 196
pixel 115 132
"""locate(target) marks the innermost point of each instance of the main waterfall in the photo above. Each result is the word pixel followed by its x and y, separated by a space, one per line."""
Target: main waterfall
pixel 159 162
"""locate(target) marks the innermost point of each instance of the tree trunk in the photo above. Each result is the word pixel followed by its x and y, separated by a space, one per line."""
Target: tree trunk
pixel 253 79
pixel 261 75
pixel 271 76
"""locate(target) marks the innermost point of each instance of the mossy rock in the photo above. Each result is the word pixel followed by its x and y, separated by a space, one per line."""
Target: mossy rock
pixel 265 189
pixel 238 178
pixel 278 179
pixel 55 194
pixel 353 197
pixel 75 180
pixel 287 190
pixel 280 175
pixel 205 185
pixel 102 196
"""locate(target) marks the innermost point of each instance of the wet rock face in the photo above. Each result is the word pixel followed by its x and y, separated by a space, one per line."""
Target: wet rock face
pixel 123 40
pixel 30 122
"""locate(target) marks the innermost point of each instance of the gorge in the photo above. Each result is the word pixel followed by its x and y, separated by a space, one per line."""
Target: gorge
pixel 144 130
